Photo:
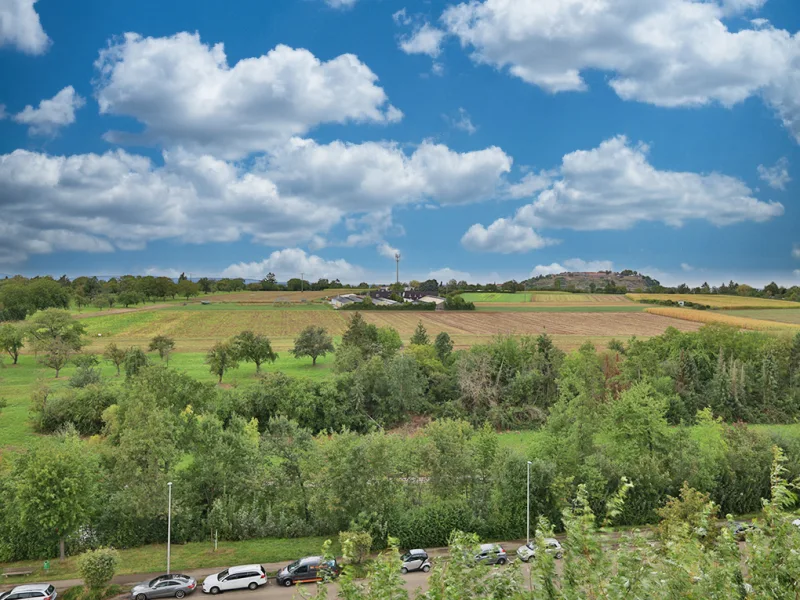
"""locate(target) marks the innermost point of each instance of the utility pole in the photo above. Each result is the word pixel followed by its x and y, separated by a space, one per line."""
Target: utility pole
pixel 397 260
pixel 528 534
pixel 169 525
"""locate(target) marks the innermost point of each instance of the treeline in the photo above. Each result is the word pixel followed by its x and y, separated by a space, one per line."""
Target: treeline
pixel 293 457
pixel 769 291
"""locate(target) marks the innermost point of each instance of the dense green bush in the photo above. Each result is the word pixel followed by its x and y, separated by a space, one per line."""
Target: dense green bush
pixel 431 525
pixel 98 567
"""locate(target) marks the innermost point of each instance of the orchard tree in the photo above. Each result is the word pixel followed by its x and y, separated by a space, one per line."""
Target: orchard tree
pixel 56 324
pixel 135 360
pixel 188 289
pixel 314 342
pixel 254 348
pixel 56 354
pixel 54 487
pixel 420 337
pixel 163 345
pixel 12 339
pixel 115 355
pixel 222 357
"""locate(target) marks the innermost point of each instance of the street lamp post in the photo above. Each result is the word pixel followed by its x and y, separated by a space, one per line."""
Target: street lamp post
pixel 169 525
pixel 528 535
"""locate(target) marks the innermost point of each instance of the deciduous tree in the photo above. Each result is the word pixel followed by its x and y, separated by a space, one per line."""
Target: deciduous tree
pixel 163 345
pixel 254 348
pixel 12 340
pixel 115 355
pixel 221 358
pixel 314 342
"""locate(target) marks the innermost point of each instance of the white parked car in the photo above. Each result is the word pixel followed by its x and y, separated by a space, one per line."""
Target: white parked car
pixel 796 523
pixel 33 591
pixel 235 578
pixel 528 551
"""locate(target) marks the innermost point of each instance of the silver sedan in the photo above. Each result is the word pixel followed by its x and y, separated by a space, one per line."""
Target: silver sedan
pixel 164 586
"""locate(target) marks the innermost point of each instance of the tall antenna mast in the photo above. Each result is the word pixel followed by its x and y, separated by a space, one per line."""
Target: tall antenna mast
pixel 397 260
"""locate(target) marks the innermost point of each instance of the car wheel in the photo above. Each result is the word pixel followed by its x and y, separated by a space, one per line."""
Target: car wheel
pixel 426 568
pixel 287 583
pixel 214 591
pixel 253 585
pixel 559 555
pixel 501 561
pixel 525 559
pixel 141 597
pixel 180 594
pixel 403 570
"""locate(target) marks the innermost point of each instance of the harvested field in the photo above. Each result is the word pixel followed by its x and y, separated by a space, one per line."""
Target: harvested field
pixel 706 316
pixel 552 298
pixel 496 297
pixel 564 307
pixel 196 330
pixel 780 315
pixel 272 297
pixel 719 301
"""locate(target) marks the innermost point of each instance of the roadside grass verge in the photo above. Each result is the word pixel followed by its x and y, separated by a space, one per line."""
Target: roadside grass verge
pixel 186 557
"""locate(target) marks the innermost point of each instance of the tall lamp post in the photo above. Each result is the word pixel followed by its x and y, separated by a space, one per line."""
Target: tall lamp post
pixel 528 535
pixel 169 524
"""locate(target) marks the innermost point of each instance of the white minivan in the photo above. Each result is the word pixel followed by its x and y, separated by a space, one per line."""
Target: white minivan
pixel 235 578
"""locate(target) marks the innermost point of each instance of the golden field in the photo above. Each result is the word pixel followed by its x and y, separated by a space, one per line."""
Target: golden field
pixel 707 316
pixel 718 301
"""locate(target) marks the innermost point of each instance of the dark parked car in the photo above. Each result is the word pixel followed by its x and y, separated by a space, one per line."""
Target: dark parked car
pixel 308 569
pixel 415 560
pixel 742 530
pixel 491 554
pixel 164 586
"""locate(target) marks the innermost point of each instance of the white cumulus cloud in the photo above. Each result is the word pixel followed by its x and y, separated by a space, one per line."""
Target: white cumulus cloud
pixel 291 262
pixel 20 27
pixel 186 94
pixel 346 3
pixel 424 39
pixel 573 265
pixel 665 52
pixel 615 187
pixel 446 274
pixel 776 176
pixel 52 114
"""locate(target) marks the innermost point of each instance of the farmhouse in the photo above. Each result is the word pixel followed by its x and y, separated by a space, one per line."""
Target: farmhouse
pixel 340 301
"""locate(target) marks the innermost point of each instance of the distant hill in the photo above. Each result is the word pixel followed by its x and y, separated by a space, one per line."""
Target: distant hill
pixel 629 281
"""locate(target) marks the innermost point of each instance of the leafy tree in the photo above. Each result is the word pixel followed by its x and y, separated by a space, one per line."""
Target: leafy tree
pixel 12 340
pixel 97 567
pixel 444 347
pixel 135 361
pixel 222 357
pixel 355 545
pixel 430 286
pixel 292 445
pixel 420 337
pixel 162 344
pixel 389 341
pixel 188 289
pixel 56 324
pixel 53 488
pixel 115 355
pixel 129 298
pixel 314 342
pixel 254 348
pixel 56 354
pixel 361 335
pixel 205 284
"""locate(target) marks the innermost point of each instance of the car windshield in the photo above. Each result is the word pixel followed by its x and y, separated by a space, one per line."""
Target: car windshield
pixel 223 575
pixel 406 557
pixel 293 566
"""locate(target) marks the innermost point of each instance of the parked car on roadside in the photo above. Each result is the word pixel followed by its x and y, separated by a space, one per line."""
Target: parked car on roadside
pixel 415 560
pixel 235 578
pixel 796 523
pixel 742 530
pixel 164 586
pixel 32 591
pixel 528 551
pixel 491 554
pixel 308 569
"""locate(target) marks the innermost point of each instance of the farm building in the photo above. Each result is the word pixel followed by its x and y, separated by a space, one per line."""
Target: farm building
pixel 344 299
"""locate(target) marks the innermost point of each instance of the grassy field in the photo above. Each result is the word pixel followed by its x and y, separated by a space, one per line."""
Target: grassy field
pixel 572 308
pixel 719 301
pixel 554 298
pixel 780 315
pixel 496 297
pixel 727 318
pixel 185 557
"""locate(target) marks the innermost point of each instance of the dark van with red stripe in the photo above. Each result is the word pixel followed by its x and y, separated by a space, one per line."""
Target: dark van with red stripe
pixel 308 569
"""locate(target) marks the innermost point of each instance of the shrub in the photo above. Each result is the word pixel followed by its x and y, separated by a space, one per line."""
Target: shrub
pixel 97 567
pixel 432 525
pixel 355 545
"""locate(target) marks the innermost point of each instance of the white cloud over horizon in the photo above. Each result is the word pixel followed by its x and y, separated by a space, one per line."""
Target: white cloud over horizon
pixel 291 262
pixel 21 28
pixel 614 187
pixel 670 53
pixel 573 265
pixel 52 114
pixel 446 274
pixel 186 94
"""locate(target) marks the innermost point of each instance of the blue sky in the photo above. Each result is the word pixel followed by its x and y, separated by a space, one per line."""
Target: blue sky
pixel 486 140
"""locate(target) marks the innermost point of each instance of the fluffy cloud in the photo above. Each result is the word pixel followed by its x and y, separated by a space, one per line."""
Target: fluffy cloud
pixel 186 93
pixel 777 176
pixel 387 251
pixel 52 114
pixel 446 274
pixel 424 39
pixel 615 187
pixel 796 252
pixel 20 27
pixel 505 236
pixel 296 195
pixel 291 262
pixel 664 52
pixel 89 202
pixel 573 265
pixel 374 176
pixel 351 3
